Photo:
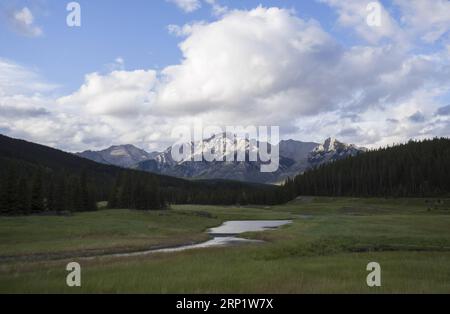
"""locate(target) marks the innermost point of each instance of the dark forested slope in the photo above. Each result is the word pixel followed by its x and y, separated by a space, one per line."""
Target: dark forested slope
pixel 418 168
pixel 35 178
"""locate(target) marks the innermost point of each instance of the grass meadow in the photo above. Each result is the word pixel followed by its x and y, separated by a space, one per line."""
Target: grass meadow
pixel 325 250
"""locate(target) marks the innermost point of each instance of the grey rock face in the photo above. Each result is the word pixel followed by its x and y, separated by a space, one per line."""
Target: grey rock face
pixel 123 156
pixel 295 158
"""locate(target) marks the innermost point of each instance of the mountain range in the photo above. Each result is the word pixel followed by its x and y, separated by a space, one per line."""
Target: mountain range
pixel 295 158
pixel 125 156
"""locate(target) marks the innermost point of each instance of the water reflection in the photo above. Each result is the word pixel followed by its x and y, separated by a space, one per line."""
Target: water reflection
pixel 224 235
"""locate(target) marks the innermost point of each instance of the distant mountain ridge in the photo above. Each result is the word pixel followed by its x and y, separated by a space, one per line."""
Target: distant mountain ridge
pixel 295 158
pixel 123 155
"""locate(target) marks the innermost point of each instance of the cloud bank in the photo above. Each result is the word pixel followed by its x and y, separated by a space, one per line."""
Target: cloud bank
pixel 264 66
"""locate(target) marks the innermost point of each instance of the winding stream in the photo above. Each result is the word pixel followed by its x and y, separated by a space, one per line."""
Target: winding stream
pixel 224 235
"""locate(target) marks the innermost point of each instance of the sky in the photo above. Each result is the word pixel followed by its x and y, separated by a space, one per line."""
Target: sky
pixel 135 70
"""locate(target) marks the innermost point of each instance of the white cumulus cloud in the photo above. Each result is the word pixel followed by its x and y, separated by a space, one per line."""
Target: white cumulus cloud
pixel 429 19
pixel 117 93
pixel 187 5
pixel 354 14
pixel 23 21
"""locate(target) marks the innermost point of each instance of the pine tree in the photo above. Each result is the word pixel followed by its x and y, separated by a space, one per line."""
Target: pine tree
pixel 60 195
pixel 86 202
pixel 9 203
pixel 23 193
pixel 37 194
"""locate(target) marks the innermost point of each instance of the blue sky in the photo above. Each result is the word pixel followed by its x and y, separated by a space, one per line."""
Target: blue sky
pixel 313 67
pixel 137 32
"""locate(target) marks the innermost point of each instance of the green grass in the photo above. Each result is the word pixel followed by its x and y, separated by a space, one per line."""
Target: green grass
pixel 326 249
pixel 104 230
pixel 116 230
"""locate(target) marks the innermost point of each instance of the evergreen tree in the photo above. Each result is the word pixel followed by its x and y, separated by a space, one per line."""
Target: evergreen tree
pixel 9 197
pixel 23 193
pixel 37 194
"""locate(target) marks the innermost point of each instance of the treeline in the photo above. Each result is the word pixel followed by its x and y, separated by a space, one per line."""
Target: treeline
pixel 221 192
pixel 27 189
pixel 136 190
pixel 418 168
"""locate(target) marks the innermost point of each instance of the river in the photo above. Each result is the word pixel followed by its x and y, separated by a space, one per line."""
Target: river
pixel 224 235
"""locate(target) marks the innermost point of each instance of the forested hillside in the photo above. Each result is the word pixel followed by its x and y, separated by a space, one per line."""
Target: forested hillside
pixel 419 169
pixel 36 179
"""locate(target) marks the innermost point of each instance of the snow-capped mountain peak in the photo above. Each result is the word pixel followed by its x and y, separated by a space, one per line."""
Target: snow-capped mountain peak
pixel 331 144
pixel 295 157
pixel 221 145
pixel 332 150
